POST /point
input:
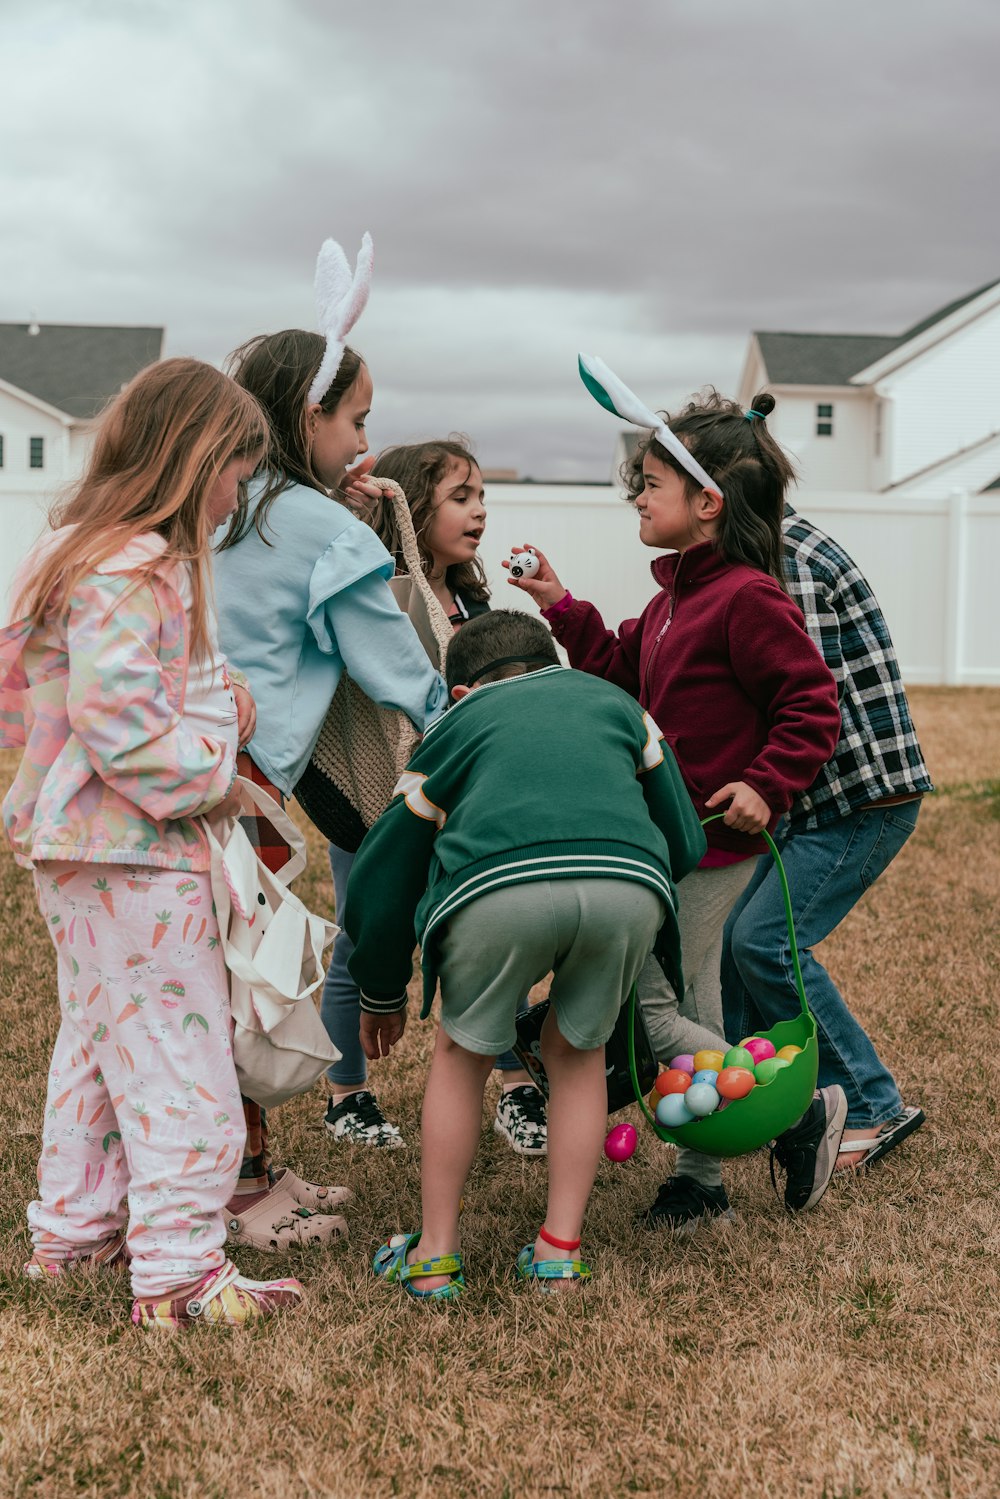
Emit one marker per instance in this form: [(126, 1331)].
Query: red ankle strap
[(548, 1238)]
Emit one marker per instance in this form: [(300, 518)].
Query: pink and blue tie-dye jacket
[(94, 698)]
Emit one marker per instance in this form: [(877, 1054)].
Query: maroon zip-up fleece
[(721, 659)]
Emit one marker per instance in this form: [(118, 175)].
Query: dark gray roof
[(832, 358), (820, 358), (76, 369), (943, 312), (995, 485)]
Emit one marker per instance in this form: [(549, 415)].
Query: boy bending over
[(540, 826)]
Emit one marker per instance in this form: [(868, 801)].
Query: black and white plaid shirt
[(877, 754)]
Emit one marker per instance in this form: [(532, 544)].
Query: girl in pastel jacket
[(108, 675)]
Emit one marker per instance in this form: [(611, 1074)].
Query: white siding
[(840, 462), (27, 493), (946, 399), (19, 422), (754, 376)]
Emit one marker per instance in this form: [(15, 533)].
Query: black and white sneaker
[(681, 1204), (807, 1153), (521, 1120), (358, 1120)]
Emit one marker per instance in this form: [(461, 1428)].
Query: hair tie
[(614, 395), (340, 301), (751, 414)]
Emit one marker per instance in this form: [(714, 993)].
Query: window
[(824, 420), (36, 452)]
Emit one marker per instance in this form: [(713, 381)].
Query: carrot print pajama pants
[(143, 1105)]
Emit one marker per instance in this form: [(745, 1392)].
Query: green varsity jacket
[(550, 775)]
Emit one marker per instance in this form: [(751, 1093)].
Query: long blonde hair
[(160, 447)]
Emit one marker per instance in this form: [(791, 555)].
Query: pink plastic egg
[(684, 1062), (759, 1048), (621, 1142)]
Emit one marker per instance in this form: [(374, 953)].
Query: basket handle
[(786, 897), (800, 986), (439, 621)]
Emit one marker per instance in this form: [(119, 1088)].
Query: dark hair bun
[(763, 404)]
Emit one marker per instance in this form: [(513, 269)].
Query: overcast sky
[(648, 180)]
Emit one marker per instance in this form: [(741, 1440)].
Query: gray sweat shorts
[(593, 934)]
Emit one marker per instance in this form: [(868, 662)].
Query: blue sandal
[(541, 1271), (390, 1265)]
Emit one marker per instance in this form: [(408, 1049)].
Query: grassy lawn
[(853, 1352)]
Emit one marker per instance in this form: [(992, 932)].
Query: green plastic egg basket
[(769, 1108)]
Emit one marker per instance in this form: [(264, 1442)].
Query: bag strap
[(440, 623), (279, 819)]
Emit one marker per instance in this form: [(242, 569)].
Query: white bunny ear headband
[(615, 396), (340, 301)]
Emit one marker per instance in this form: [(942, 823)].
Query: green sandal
[(542, 1271), (390, 1265)]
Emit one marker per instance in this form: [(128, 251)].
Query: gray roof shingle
[(832, 358), (74, 368), (820, 358)]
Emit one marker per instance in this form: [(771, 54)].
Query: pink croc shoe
[(111, 1255), (222, 1298)]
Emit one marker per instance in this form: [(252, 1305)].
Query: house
[(917, 411), (54, 377)]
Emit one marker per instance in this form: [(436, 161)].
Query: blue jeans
[(828, 870), (340, 1007)]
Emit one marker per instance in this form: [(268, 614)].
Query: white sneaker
[(521, 1120), (358, 1120)]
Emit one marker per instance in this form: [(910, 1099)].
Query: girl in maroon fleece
[(721, 659)]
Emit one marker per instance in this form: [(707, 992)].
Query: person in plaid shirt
[(837, 839)]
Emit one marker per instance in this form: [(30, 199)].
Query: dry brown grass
[(850, 1353)]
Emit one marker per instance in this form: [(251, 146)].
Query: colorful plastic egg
[(702, 1099), (759, 1048), (683, 1063), (767, 1070), (738, 1056), (706, 1075), (672, 1081), (789, 1053), (672, 1111), (653, 1100), (621, 1142), (735, 1082), (705, 1061)]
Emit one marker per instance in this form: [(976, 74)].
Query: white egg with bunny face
[(524, 564)]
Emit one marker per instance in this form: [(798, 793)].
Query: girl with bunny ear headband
[(721, 659), (303, 595)]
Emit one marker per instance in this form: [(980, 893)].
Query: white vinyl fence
[(932, 563)]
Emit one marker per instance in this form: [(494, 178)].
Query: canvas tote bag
[(363, 749), (273, 948)]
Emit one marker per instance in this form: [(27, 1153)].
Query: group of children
[(549, 822)]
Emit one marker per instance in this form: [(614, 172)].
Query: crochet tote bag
[(363, 749), (273, 947)]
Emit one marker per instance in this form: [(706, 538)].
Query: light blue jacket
[(295, 613)]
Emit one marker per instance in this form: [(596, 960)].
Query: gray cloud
[(650, 180)]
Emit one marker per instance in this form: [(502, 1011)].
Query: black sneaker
[(682, 1203), (521, 1120), (807, 1153), (358, 1120)]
